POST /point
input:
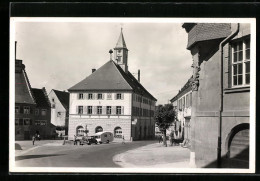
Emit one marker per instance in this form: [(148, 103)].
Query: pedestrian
[(75, 140), (123, 140), (33, 139), (160, 138)]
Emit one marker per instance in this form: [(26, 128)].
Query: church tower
[(121, 52)]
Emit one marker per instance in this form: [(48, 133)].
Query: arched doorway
[(118, 132), (238, 147), (80, 131), (98, 129)]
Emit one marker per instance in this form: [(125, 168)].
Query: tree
[(164, 117)]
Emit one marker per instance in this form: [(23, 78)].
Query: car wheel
[(107, 141), (100, 142)]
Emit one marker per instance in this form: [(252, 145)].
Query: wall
[(107, 122), (21, 129), (55, 119), (207, 100)]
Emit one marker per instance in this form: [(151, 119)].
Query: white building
[(111, 99), (59, 109), (182, 103)]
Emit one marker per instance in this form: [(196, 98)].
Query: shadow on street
[(24, 157)]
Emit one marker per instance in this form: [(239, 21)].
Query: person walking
[(75, 140), (123, 140), (33, 139)]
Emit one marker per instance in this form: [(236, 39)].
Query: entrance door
[(239, 150)]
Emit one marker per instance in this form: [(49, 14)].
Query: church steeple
[(121, 52)]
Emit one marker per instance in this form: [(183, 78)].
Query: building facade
[(42, 114), (32, 107), (111, 99), (220, 94), (182, 104), (24, 103), (60, 110)]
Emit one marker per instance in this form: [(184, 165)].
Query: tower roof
[(121, 41)]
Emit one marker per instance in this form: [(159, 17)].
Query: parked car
[(104, 137), (91, 140)]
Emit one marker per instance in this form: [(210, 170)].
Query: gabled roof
[(186, 88), (64, 98), (121, 41), (23, 92), (111, 77), (40, 98)]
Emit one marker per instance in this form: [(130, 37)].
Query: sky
[(57, 55)]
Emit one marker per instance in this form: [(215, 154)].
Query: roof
[(186, 88), (40, 98), (64, 98), (121, 41), (22, 87), (111, 77), (206, 31)]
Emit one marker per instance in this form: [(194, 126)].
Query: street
[(57, 155)]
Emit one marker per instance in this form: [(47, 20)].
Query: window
[(26, 110), (80, 131), (36, 112), (241, 63), (109, 96), (17, 109), (89, 109), (40, 122), (100, 96), (16, 121), (81, 96), (43, 122), (58, 114), (99, 109), (20, 121), (118, 96), (90, 96), (80, 109), (26, 121), (108, 109), (118, 110), (44, 111)]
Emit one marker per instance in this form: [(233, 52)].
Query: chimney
[(138, 75), (93, 70)]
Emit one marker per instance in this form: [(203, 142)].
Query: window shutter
[(113, 111), (230, 66), (115, 96), (85, 109), (77, 109), (94, 109), (122, 110), (103, 96), (104, 110), (122, 96), (93, 96)]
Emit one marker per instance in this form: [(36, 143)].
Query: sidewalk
[(154, 156), (21, 147)]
